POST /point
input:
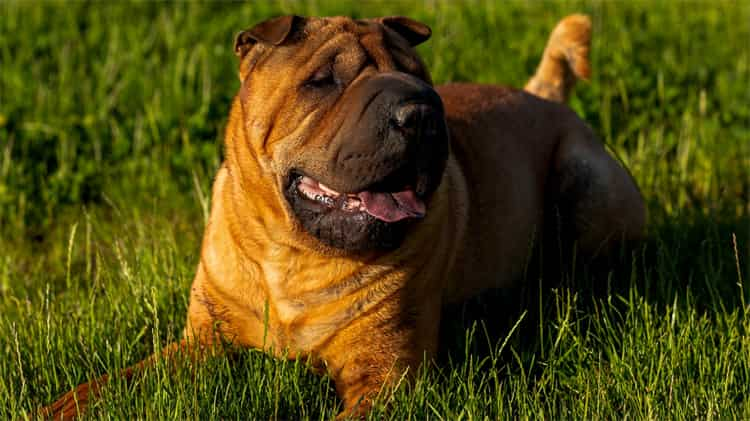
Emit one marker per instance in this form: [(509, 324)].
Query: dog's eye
[(322, 77)]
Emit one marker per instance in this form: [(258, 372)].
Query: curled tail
[(565, 59)]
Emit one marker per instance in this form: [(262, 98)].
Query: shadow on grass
[(686, 260)]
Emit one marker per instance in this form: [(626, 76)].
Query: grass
[(111, 120)]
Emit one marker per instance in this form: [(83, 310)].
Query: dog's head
[(340, 115)]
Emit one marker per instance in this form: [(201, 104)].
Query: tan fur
[(565, 59), (370, 318)]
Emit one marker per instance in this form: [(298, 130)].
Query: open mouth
[(376, 216), (385, 205)]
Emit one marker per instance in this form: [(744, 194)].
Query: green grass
[(111, 120)]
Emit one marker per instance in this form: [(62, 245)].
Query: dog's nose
[(414, 118)]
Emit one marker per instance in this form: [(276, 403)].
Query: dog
[(356, 199)]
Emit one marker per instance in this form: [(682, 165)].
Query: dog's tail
[(565, 59)]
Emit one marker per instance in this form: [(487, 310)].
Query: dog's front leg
[(382, 348)]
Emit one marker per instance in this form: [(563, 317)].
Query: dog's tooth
[(351, 204), (326, 200)]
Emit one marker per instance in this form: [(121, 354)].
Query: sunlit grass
[(111, 119)]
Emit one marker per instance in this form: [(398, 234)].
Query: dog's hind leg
[(594, 203), (74, 403)]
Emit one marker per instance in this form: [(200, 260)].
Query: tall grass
[(111, 119)]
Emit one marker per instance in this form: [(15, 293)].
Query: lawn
[(111, 120)]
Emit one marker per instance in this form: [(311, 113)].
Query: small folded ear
[(414, 32), (272, 31)]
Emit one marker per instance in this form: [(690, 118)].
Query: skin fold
[(333, 99)]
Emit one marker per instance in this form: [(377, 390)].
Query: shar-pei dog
[(356, 199)]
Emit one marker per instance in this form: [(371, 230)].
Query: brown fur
[(372, 317), (565, 60)]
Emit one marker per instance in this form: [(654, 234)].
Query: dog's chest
[(309, 305)]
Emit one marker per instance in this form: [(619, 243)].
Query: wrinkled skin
[(449, 188), (345, 90)]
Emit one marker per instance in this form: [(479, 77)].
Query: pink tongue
[(392, 207)]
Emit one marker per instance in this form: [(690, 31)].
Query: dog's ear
[(272, 31), (412, 31)]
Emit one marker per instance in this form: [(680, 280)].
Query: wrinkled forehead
[(323, 36), (329, 27)]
